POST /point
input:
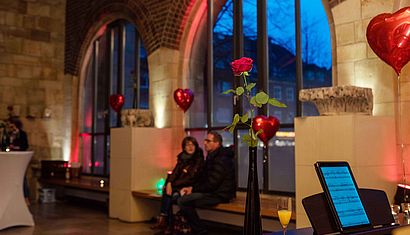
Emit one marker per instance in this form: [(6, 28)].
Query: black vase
[(252, 223)]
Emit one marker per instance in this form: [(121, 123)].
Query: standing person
[(18, 137), (216, 184), (189, 165), (4, 137)]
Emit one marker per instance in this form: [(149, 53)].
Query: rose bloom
[(241, 65)]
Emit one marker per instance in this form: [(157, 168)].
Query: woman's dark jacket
[(20, 142), (186, 172), (218, 177)]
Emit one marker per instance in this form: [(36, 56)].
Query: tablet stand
[(320, 216)]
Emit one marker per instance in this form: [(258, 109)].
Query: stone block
[(24, 71), (352, 52), (372, 8), (31, 48), (345, 73), (345, 33), (29, 22), (377, 75), (359, 31), (13, 45), (47, 49), (353, 7), (14, 19), (38, 9)]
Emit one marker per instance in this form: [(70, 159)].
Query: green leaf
[(259, 132), (232, 128), (229, 91), (250, 86), (239, 90), (262, 98), (275, 102), (235, 119), (246, 139), (244, 118), (254, 103)]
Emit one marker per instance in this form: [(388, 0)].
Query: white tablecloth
[(13, 208)]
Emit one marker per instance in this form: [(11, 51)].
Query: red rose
[(241, 65)]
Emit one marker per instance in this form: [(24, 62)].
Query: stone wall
[(31, 71), (358, 65)]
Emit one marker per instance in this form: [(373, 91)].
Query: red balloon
[(269, 125), (184, 98), (116, 102), (388, 36)]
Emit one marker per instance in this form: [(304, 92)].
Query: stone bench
[(236, 206)]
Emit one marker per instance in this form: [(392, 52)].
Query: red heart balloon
[(269, 125), (184, 98), (116, 102), (388, 36)]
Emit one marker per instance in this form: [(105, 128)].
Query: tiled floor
[(79, 219)]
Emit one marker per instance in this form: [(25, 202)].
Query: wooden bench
[(84, 187), (237, 206)]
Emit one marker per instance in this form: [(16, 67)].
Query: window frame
[(107, 72)]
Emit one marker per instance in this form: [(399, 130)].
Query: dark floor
[(84, 218)]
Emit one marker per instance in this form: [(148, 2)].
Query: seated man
[(215, 185)]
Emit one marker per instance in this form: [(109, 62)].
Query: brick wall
[(160, 23)]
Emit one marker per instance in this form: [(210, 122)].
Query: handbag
[(181, 225)]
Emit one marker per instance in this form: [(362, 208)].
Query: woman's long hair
[(190, 139)]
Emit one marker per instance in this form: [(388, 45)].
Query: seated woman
[(189, 165)]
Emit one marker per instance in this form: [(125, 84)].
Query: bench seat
[(237, 206)]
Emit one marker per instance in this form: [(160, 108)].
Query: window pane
[(281, 39), (114, 73), (223, 78), (101, 85), (88, 99), (144, 79), (129, 66), (86, 152), (99, 154), (243, 163), (316, 49), (282, 161)]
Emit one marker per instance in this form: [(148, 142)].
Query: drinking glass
[(395, 210), (284, 207)]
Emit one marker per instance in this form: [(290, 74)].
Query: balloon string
[(400, 134)]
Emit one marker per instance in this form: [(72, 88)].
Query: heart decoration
[(116, 102), (184, 98), (269, 126), (389, 37)]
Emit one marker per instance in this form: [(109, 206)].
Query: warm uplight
[(404, 186), (159, 111)]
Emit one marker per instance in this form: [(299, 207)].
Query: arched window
[(118, 65), (236, 33)]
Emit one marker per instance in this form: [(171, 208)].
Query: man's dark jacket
[(218, 176)]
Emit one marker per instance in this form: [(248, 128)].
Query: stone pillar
[(368, 143), (139, 158)]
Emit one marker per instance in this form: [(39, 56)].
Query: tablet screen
[(340, 187)]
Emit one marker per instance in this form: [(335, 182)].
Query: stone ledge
[(339, 100)]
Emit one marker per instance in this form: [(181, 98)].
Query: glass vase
[(253, 222)]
